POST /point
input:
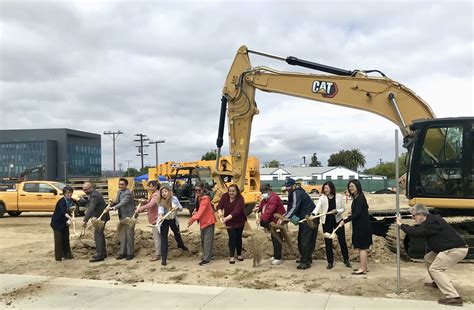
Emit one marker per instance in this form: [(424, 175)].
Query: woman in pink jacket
[(204, 214), (151, 207)]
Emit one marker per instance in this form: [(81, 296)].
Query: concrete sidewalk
[(39, 292)]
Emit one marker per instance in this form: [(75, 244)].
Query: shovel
[(97, 223), (333, 234), (317, 216), (74, 221), (131, 221)]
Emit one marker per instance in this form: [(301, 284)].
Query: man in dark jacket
[(446, 246), (96, 207), (300, 205)]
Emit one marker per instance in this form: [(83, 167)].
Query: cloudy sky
[(157, 67)]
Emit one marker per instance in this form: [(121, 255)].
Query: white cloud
[(158, 68)]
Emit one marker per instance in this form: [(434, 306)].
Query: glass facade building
[(63, 152)]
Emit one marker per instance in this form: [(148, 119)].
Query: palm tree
[(351, 159), (355, 159)]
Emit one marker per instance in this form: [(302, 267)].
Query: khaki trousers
[(437, 264)]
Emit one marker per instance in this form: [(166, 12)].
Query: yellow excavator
[(440, 150)]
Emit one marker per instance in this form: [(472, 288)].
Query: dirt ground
[(26, 247)]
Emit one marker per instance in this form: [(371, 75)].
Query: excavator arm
[(353, 89)]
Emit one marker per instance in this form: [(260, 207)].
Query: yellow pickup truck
[(310, 187), (35, 196)]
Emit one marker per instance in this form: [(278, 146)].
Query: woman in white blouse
[(333, 203)]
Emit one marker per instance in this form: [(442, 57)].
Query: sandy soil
[(27, 248)]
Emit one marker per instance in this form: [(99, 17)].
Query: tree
[(211, 155), (351, 159), (314, 161), (388, 168), (272, 164), (131, 172)]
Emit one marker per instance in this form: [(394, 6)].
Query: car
[(384, 191)]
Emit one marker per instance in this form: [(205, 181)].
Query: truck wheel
[(14, 213), (2, 209), (314, 192)]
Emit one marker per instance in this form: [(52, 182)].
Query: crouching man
[(446, 246)]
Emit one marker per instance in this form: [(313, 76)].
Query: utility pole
[(114, 135), (128, 163), (120, 167), (156, 151), (380, 161), (304, 161), (141, 146)]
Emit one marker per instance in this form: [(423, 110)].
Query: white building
[(307, 173)]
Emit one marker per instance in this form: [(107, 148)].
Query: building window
[(274, 178), (340, 177), (328, 177), (351, 177)]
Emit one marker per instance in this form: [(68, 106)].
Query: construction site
[(398, 184)]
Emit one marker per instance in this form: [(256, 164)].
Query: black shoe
[(456, 301), (204, 263), (184, 248), (163, 263), (130, 257), (347, 263), (121, 256), (303, 266), (95, 259), (330, 266), (297, 261)]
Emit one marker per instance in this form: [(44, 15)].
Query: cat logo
[(326, 89)]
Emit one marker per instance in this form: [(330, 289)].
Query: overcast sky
[(158, 67)]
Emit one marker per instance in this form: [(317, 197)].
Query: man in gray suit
[(126, 208), (95, 209)]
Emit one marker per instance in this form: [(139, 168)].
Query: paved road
[(39, 292)]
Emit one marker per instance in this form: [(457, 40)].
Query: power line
[(114, 137), (156, 151), (141, 146)]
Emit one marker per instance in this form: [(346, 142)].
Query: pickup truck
[(35, 196), (309, 187)]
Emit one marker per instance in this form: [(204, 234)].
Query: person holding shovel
[(60, 224), (299, 206), (151, 206), (95, 208), (126, 208), (270, 205), (332, 205), (168, 207), (446, 248), (231, 211), (204, 214), (361, 232)]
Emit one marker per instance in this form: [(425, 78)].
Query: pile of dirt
[(85, 247)]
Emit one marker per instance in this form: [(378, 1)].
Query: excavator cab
[(441, 162), (184, 181)]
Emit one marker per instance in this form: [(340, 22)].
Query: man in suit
[(95, 209), (126, 208)]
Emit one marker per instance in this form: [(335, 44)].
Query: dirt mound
[(85, 247)]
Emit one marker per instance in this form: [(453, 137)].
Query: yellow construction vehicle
[(440, 150), (184, 175)]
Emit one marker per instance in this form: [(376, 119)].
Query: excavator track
[(413, 249)]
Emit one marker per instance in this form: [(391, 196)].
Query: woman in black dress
[(361, 232)]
